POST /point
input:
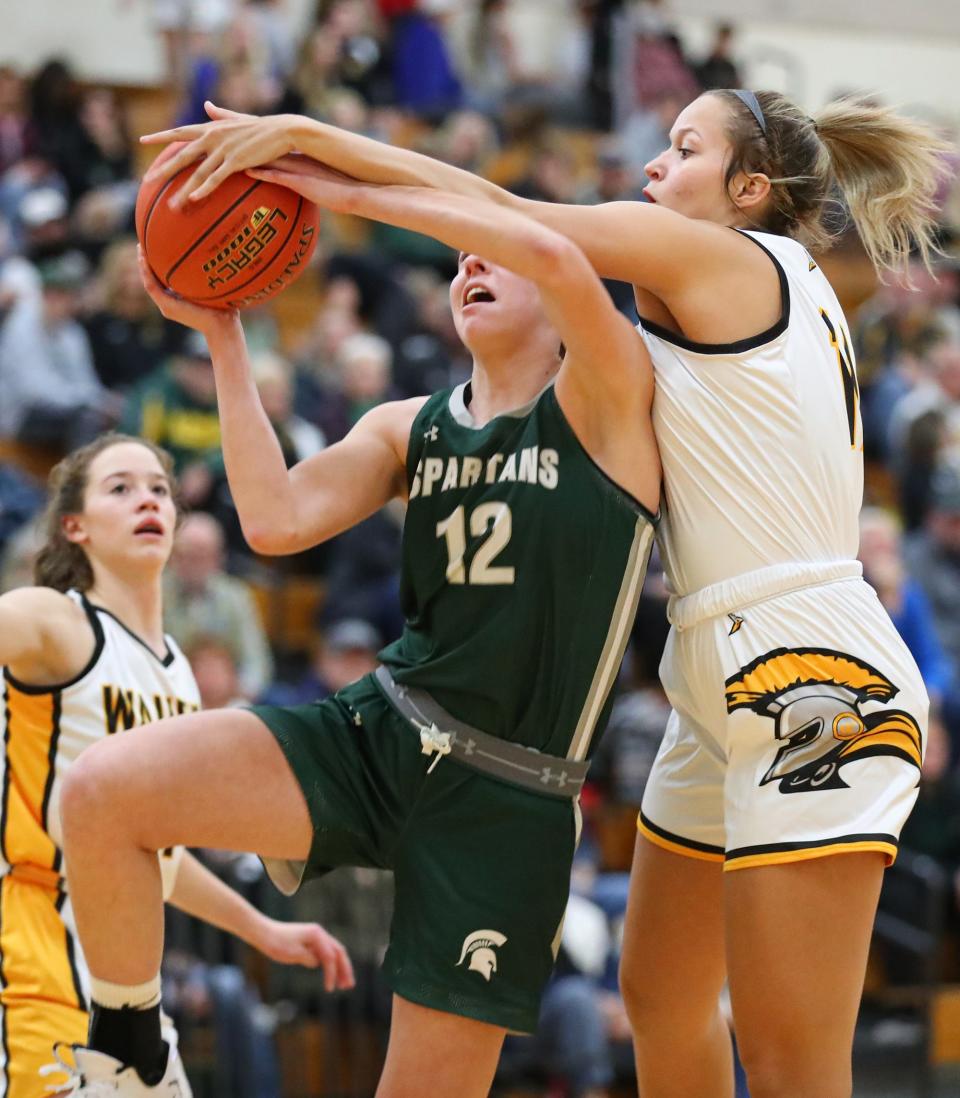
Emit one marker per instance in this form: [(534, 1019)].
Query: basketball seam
[(210, 228), (153, 205), (149, 213), (263, 270)]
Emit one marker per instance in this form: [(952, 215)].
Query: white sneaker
[(168, 1031), (95, 1075)]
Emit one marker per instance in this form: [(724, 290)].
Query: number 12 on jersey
[(493, 524)]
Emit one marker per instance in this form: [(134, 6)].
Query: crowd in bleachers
[(83, 350)]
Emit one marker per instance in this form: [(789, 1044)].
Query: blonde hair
[(885, 166)]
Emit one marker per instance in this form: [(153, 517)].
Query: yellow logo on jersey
[(814, 696)]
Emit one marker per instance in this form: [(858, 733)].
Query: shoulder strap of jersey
[(99, 640)]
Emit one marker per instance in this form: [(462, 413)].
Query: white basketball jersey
[(760, 440), (124, 685)]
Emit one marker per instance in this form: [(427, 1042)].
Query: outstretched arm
[(284, 510), (606, 381), (233, 142), (575, 299), (201, 893), (636, 242)]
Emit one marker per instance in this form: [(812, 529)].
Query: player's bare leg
[(457, 1055), (797, 942), (215, 779), (672, 973), (219, 779)]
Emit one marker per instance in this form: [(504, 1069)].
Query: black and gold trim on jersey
[(41, 998), (52, 773), (4, 1035), (814, 697), (739, 346), (32, 732), (165, 660), (52, 688)]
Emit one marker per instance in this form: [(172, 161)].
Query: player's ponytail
[(61, 563), (884, 166), (888, 167)]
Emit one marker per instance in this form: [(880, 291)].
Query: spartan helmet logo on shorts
[(479, 947), (814, 697)]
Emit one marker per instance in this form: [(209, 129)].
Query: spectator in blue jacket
[(910, 609)]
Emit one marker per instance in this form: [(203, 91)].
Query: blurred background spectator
[(59, 401), (343, 652), (217, 672), (175, 406), (202, 601), (128, 338), (718, 69)]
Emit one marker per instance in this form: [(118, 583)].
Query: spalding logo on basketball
[(235, 248)]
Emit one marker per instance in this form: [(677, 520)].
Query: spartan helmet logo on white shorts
[(814, 696), (479, 947)]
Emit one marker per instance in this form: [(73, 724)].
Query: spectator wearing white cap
[(18, 276), (38, 225), (51, 393)]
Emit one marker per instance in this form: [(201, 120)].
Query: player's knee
[(783, 1070), (641, 1001), (92, 790)]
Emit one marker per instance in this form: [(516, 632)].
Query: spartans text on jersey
[(532, 465)]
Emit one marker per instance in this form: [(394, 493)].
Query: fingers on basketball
[(235, 247)]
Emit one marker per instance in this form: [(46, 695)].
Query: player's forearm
[(471, 225), (612, 236), (376, 162), (256, 469), (202, 894)]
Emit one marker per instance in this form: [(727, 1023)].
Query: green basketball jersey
[(522, 567)]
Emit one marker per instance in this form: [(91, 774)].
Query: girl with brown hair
[(84, 656), (785, 775)]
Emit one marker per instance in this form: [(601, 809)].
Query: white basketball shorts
[(798, 724)]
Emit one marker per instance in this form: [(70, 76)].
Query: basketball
[(236, 247)]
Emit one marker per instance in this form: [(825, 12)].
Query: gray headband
[(748, 99)]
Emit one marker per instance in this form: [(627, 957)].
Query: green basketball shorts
[(482, 868)]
